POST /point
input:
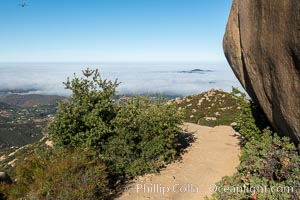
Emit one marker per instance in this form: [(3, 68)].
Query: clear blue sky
[(112, 30)]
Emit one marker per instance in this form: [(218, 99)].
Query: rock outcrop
[(5, 178), (262, 45)]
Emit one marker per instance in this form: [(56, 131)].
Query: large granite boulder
[(262, 45)]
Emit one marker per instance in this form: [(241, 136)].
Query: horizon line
[(154, 62)]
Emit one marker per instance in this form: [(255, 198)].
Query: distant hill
[(30, 100), (6, 91), (23, 117), (199, 71), (210, 108), (20, 134)]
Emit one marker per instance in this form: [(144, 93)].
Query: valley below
[(23, 118)]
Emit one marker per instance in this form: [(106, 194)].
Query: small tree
[(84, 121)]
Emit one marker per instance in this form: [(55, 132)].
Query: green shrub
[(84, 121), (270, 162), (61, 174), (146, 135), (252, 120)]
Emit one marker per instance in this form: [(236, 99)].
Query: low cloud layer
[(135, 78)]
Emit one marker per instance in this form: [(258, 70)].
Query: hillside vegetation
[(30, 100), (211, 108), (20, 126)]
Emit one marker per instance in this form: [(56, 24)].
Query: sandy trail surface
[(214, 154)]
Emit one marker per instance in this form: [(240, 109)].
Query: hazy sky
[(112, 30)]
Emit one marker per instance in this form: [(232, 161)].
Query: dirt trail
[(214, 154)]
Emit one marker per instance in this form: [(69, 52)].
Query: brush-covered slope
[(211, 108)]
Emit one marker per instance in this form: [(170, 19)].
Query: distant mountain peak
[(200, 71)]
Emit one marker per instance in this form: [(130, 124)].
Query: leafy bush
[(146, 134), (252, 119), (84, 121), (61, 174), (270, 162)]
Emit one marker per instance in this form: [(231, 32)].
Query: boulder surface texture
[(262, 46)]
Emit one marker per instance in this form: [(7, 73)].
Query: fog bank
[(136, 78)]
